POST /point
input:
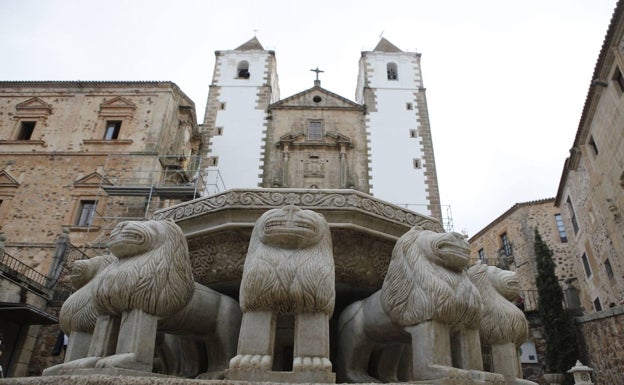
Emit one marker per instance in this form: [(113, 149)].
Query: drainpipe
[(62, 242)]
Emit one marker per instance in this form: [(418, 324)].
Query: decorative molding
[(107, 141), (33, 142), (305, 198), (219, 258)]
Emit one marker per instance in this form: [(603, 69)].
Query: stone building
[(591, 199), (588, 206), (353, 145), (507, 242), (590, 194), (316, 139), (390, 85), (244, 83), (76, 157)]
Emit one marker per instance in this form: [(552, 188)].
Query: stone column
[(285, 158), (343, 166)]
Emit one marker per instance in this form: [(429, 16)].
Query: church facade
[(318, 139)]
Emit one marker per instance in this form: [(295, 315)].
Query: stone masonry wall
[(602, 336), (519, 224)]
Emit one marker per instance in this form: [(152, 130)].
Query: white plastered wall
[(392, 150), (239, 148)]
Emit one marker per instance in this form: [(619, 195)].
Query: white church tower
[(244, 83), (402, 164)]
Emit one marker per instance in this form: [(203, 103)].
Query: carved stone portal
[(289, 270)]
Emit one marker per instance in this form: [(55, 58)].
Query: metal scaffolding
[(132, 187)]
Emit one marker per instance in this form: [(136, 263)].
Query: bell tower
[(244, 83), (402, 164)]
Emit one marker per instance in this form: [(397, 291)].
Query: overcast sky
[(506, 80)]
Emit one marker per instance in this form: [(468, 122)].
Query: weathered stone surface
[(503, 327), (426, 296), (603, 346), (116, 379), (289, 270), (148, 286), (363, 228)]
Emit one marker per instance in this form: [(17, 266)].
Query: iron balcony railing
[(14, 267)]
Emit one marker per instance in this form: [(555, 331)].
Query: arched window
[(393, 73), (243, 69)]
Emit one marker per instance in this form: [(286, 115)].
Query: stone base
[(281, 377), (147, 379), (105, 371)]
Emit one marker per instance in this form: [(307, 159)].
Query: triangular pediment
[(118, 102), (92, 180), (7, 180), (251, 45), (385, 46), (34, 105), (316, 97)]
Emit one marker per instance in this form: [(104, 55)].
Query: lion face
[(291, 228), (447, 249), (84, 270), (134, 237), (505, 282)]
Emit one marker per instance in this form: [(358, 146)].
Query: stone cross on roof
[(317, 82)]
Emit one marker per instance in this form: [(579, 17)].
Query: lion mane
[(153, 271), (424, 284), (501, 321), (289, 274), (78, 312)]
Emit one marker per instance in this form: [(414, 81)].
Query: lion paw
[(81, 363), (125, 361), (312, 364), (251, 361)]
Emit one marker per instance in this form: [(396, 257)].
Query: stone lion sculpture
[(78, 315), (503, 326), (289, 269), (426, 301), (149, 287)]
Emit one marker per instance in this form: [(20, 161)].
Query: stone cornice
[(342, 209)]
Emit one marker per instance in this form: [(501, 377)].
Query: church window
[(222, 106), (26, 130), (409, 106), (112, 129), (242, 70), (592, 144), (315, 130), (317, 99), (218, 131), (85, 213), (417, 163), (213, 161), (413, 133), (391, 69)]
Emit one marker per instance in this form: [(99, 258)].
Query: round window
[(317, 99)]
